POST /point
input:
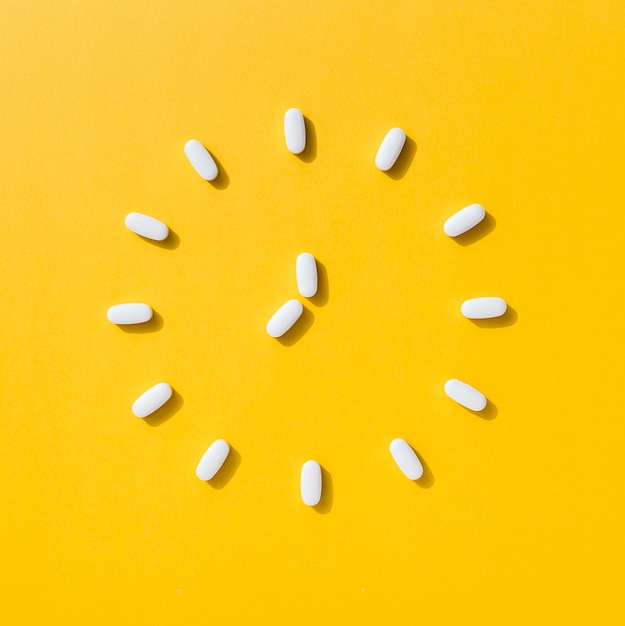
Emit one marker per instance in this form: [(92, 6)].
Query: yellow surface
[(515, 105)]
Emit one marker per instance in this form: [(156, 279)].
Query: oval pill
[(306, 274), (294, 131), (131, 313), (464, 220), (146, 226), (284, 318), (390, 148), (406, 459), (310, 483), (212, 459), (465, 395), (483, 308), (152, 399), (201, 159)]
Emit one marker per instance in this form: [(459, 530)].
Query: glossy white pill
[(146, 226), (390, 148), (294, 131), (213, 459), (284, 318), (306, 274), (464, 220), (203, 163), (152, 399), (406, 459), (131, 313), (310, 483), (464, 394), (483, 308)]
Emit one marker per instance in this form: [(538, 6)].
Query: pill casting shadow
[(486, 226), (323, 287), (299, 329), (170, 243), (170, 408), (509, 318), (327, 493), (489, 412), (223, 180), (404, 161), (427, 478), (153, 325), (309, 153), (226, 471)]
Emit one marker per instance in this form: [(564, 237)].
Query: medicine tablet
[(131, 313), (465, 395), (146, 226), (213, 459), (306, 274), (152, 399), (200, 158), (483, 308), (310, 483), (294, 131), (406, 459), (390, 148), (464, 220), (284, 318)]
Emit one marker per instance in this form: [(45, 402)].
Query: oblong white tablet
[(131, 313), (152, 399), (483, 308), (464, 220), (284, 318), (294, 131), (201, 159), (390, 148), (464, 394), (406, 459), (146, 226), (306, 274), (212, 459), (310, 483)]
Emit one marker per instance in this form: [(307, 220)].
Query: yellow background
[(518, 106)]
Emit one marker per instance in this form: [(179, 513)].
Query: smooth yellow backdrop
[(516, 105)]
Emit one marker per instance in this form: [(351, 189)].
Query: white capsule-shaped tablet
[(294, 131), (284, 318), (464, 394), (212, 459), (406, 459), (201, 159), (146, 226), (306, 274), (464, 220), (390, 149), (130, 313), (483, 308), (310, 483), (152, 399)]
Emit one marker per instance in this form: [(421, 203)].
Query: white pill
[(131, 313), (213, 459), (465, 395), (483, 308), (406, 459), (146, 226), (310, 483), (306, 274), (200, 158), (284, 318), (464, 220), (390, 148), (152, 399), (294, 131)]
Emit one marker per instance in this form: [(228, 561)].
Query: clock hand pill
[(465, 395), (390, 148), (406, 459), (152, 399), (483, 308), (130, 313), (464, 220), (146, 226), (294, 131), (284, 318), (212, 459), (306, 274), (201, 160), (310, 483)]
